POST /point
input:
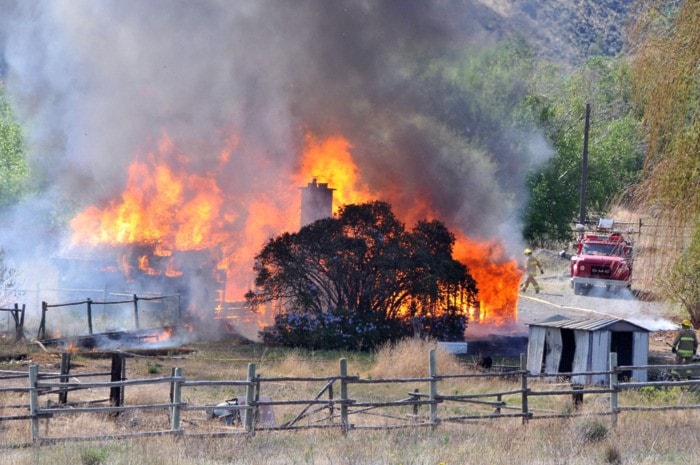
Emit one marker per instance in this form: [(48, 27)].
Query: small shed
[(563, 345)]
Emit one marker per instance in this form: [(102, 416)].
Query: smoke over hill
[(235, 92)]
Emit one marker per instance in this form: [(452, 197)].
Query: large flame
[(170, 208), (330, 159), (497, 276), (162, 204)]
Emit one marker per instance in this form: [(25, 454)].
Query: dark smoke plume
[(94, 82)]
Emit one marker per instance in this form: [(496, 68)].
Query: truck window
[(600, 249)]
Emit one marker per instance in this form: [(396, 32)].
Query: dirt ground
[(558, 298)]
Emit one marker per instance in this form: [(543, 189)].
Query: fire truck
[(603, 258)]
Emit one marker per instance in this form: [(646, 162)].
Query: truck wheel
[(578, 288)]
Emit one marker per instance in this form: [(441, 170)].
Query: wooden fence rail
[(345, 413), (17, 314), (89, 303)]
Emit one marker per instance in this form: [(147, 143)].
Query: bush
[(447, 327), (591, 430), (340, 330), (93, 456)]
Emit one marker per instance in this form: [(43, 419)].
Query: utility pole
[(584, 168)]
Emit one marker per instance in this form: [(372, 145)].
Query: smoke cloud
[(96, 82)]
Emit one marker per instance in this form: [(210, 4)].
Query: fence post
[(89, 315), (524, 388), (136, 311), (18, 316), (344, 424), (613, 388), (65, 369), (330, 404), (176, 388), (250, 399), (415, 406), (34, 401), (42, 325), (432, 372), (179, 309), (116, 393)]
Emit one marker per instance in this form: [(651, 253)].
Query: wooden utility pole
[(584, 168)]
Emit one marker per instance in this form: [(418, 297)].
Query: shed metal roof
[(595, 324)]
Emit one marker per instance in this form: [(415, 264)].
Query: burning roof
[(200, 140)]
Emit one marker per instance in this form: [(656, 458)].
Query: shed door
[(535, 349), (600, 355), (582, 356), (640, 355), (553, 351), (621, 343)]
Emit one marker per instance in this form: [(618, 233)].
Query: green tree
[(615, 151), (8, 279), (495, 98), (666, 86), (682, 282), (363, 275), (13, 164)]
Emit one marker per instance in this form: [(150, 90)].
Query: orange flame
[(497, 278), (169, 208), (159, 206), (330, 159)]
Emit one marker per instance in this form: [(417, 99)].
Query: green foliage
[(506, 89), (682, 283), (8, 279), (94, 455), (13, 165), (614, 150), (666, 86), (360, 279), (153, 368)]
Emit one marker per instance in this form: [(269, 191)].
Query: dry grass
[(637, 440), (409, 359), (640, 438)]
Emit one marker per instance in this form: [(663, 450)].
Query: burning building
[(180, 173)]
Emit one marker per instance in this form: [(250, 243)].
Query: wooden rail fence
[(254, 412), (17, 314), (89, 304)]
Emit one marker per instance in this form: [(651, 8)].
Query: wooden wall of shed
[(600, 355), (582, 356), (640, 355), (535, 349)]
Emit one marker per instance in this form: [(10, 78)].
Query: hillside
[(563, 31)]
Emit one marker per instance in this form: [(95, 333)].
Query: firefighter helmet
[(527, 252), (686, 323)]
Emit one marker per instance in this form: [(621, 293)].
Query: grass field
[(639, 437)]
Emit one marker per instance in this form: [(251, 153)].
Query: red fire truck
[(603, 258)]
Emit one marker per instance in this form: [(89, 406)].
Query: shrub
[(591, 430), (93, 456), (341, 330)]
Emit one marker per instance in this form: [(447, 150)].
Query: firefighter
[(685, 344), (530, 267)]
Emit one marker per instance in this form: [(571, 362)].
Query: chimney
[(316, 202)]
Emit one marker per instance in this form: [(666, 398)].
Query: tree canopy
[(666, 86), (615, 152), (364, 269), (13, 164)]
